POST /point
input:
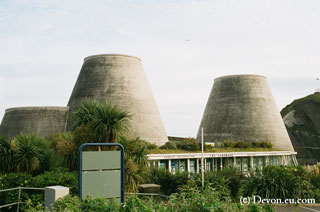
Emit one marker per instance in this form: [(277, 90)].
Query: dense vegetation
[(221, 192), (313, 98), (33, 161)]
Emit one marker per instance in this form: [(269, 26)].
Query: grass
[(314, 98), (172, 151)]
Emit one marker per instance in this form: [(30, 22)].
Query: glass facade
[(164, 164), (193, 165), (243, 164), (227, 162), (174, 166), (258, 163), (274, 161), (209, 165)]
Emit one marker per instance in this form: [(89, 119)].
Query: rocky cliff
[(302, 119)]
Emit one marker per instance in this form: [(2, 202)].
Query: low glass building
[(243, 161)]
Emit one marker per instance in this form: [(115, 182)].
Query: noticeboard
[(101, 173)]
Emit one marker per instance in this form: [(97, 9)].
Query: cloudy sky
[(183, 45)]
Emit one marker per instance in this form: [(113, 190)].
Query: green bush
[(279, 182), (6, 155), (135, 162), (169, 145), (13, 180), (235, 181), (57, 177), (243, 144), (263, 144), (188, 144), (26, 153), (169, 182), (228, 182), (195, 200), (66, 149), (228, 144)]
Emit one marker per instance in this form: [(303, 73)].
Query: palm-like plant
[(6, 155), (135, 162), (105, 121), (31, 153)]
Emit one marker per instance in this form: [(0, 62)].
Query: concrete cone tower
[(241, 108), (42, 121), (121, 80)]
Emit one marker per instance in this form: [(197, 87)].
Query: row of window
[(241, 163)]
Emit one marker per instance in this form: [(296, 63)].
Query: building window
[(182, 165), (193, 166), (274, 160), (258, 163), (163, 164), (209, 164), (227, 162), (242, 164)]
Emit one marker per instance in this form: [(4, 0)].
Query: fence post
[(19, 196)]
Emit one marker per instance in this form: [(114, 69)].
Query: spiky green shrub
[(6, 155), (169, 182), (194, 200), (31, 154), (103, 121), (135, 162), (188, 144), (279, 182)]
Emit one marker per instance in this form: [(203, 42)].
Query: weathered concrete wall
[(241, 108), (121, 80), (42, 121)]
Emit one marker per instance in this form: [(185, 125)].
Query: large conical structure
[(241, 108), (121, 80), (42, 121)]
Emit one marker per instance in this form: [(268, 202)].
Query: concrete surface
[(297, 208), (42, 121), (53, 193), (242, 108), (121, 80)]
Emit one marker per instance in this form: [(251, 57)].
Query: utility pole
[(202, 158)]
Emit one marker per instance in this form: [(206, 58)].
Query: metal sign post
[(101, 173)]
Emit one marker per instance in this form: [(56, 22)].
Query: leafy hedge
[(188, 144), (282, 182), (193, 200), (51, 178), (243, 144), (169, 182)]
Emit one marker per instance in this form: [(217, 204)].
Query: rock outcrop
[(302, 119)]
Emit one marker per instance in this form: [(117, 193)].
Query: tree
[(135, 162), (65, 147), (31, 153), (103, 122)]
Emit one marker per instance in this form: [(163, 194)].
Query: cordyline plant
[(102, 122)]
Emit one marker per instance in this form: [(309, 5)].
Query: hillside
[(302, 119)]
